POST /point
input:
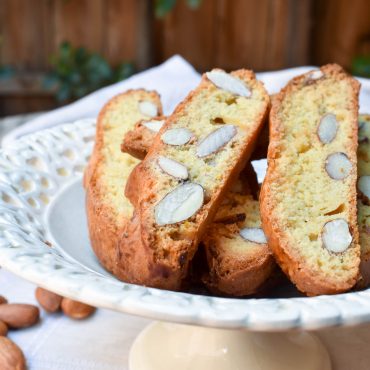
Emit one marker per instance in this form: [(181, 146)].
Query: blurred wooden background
[(258, 34)]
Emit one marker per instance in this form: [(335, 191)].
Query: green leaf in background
[(77, 72), (361, 66), (194, 4), (162, 7), (6, 71), (123, 71)]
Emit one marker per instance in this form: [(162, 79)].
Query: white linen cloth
[(102, 342)]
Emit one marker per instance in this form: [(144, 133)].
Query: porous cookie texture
[(308, 198), (138, 140), (108, 210), (211, 133), (238, 257)]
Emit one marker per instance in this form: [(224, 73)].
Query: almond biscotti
[(238, 261), (238, 257), (193, 161), (308, 198), (108, 210)]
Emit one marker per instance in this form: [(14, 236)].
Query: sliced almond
[(216, 140), (327, 129), (173, 168), (316, 74), (148, 108), (364, 188), (154, 126), (229, 83), (336, 236), (338, 166), (253, 234), (180, 204), (177, 136)]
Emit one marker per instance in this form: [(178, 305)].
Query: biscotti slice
[(238, 257), (105, 178), (308, 198), (138, 140), (193, 161)]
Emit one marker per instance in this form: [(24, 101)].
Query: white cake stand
[(42, 202)]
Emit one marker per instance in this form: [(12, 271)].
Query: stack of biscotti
[(187, 190), (194, 160), (238, 261), (308, 198)]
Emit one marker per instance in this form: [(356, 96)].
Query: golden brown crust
[(107, 234), (302, 276), (174, 253)]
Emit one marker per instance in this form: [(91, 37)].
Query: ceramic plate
[(42, 204)]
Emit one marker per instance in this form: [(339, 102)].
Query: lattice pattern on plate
[(36, 167)]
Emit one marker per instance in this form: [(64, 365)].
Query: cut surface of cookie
[(211, 134), (108, 210), (308, 198)]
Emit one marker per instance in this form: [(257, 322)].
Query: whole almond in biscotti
[(49, 301), (18, 316), (253, 234), (212, 133), (308, 198), (11, 356), (173, 168), (328, 128), (3, 300), (76, 310)]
